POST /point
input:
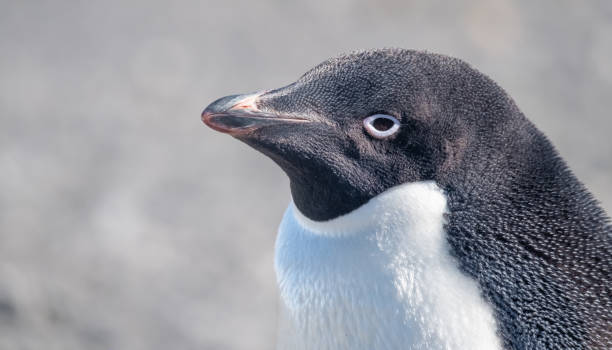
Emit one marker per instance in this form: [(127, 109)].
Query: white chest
[(380, 277)]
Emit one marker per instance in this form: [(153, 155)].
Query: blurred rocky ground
[(126, 224)]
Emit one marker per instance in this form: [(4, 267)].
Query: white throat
[(379, 277)]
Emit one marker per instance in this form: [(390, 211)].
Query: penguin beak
[(239, 114)]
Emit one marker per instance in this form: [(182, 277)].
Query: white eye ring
[(368, 124)]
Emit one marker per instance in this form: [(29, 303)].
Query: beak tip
[(221, 107), (207, 119), (205, 116)]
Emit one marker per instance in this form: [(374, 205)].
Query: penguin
[(427, 211)]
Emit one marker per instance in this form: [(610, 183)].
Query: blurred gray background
[(125, 223)]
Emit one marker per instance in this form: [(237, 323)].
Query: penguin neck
[(392, 206), (326, 199), (379, 277)]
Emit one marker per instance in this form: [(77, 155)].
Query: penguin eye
[(381, 126)]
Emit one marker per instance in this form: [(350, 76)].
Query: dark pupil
[(382, 124)]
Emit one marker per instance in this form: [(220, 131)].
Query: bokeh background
[(126, 224)]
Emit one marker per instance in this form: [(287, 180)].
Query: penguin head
[(359, 124)]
